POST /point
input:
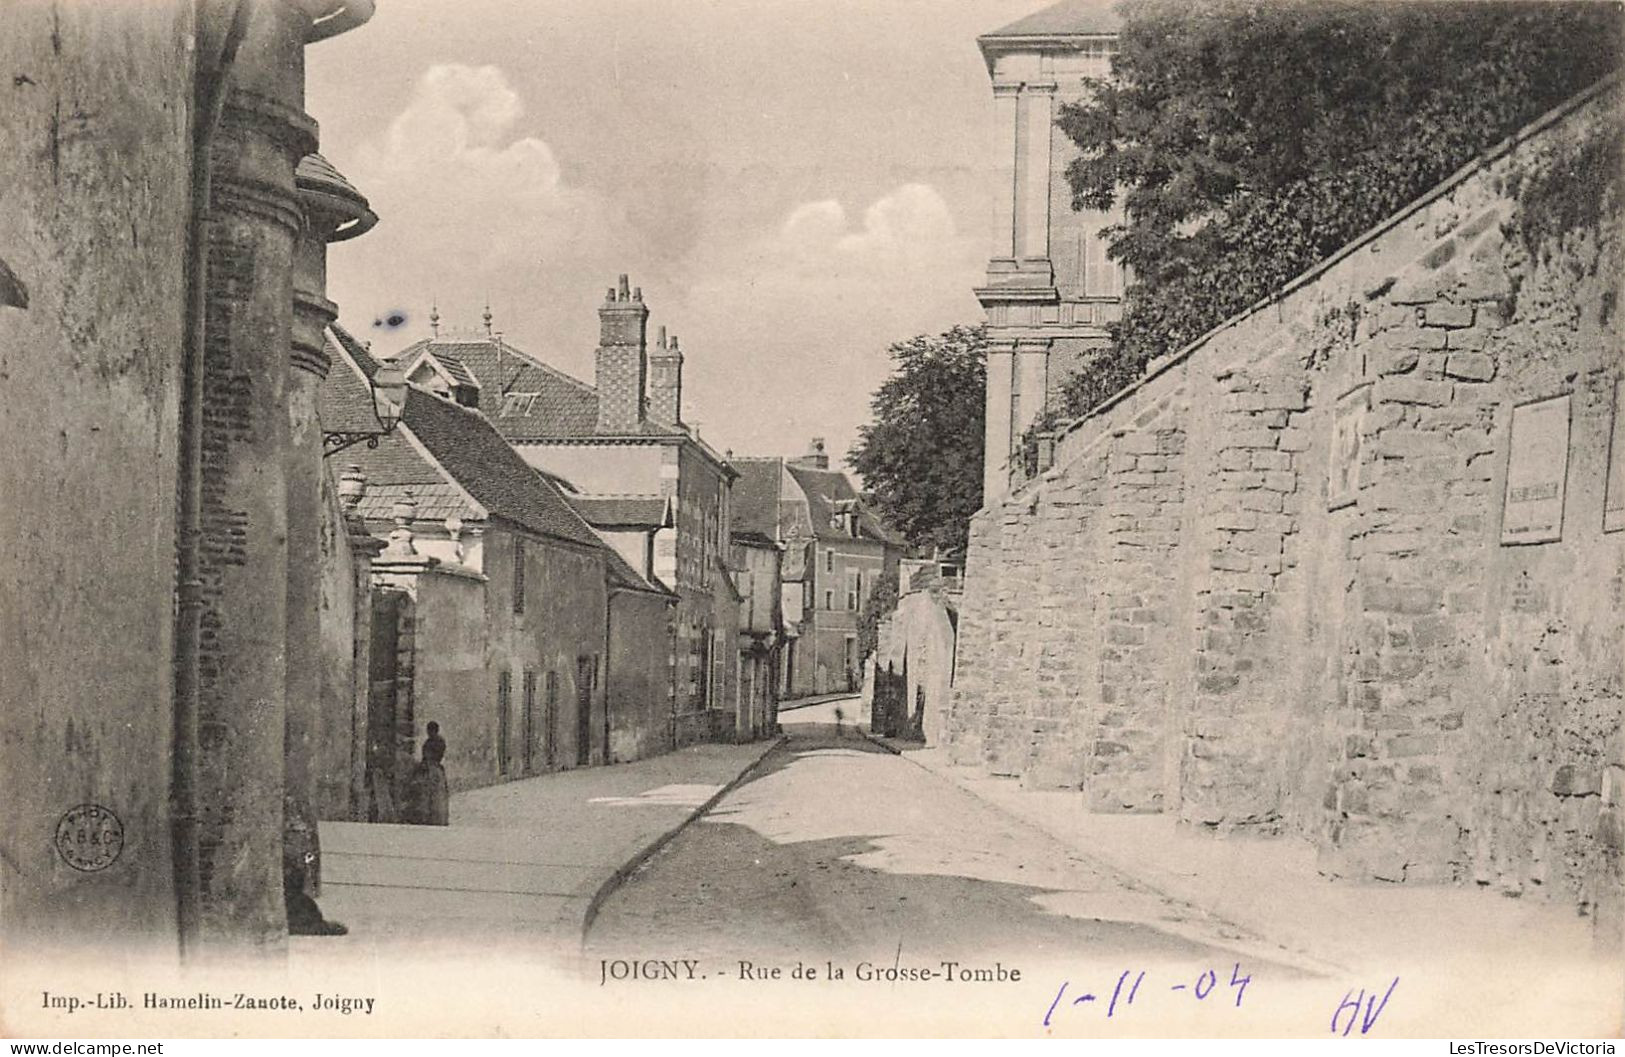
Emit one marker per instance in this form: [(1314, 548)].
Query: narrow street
[(836, 849)]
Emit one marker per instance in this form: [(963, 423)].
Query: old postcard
[(837, 518)]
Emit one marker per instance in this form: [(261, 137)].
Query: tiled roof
[(477, 457), (623, 575), (1069, 18), (755, 497), (449, 363), (435, 502), (344, 401), (525, 398), (627, 511), (826, 488)]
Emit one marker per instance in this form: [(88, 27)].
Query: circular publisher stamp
[(89, 838)]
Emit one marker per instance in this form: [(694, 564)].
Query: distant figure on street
[(840, 716), (428, 798)]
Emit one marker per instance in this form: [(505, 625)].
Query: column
[(309, 364), (333, 210), (1004, 169), (255, 219), (1037, 105), (1032, 363), (997, 418)]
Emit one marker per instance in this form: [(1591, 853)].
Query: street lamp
[(388, 385)]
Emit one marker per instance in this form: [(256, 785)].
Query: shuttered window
[(518, 576)]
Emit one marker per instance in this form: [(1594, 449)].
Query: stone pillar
[(1003, 251), (1038, 124), (1032, 361), (1001, 357), (364, 547), (332, 210), (309, 364), (256, 218)]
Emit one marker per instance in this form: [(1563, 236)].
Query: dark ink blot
[(394, 319)]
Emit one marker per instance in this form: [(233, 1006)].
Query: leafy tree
[(922, 456), (879, 605), (1250, 139)]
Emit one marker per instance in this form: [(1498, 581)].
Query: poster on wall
[(1348, 417), (1537, 468), (1613, 507)]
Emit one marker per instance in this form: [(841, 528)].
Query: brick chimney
[(666, 380), (622, 362), (816, 457)]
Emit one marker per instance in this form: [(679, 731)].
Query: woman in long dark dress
[(430, 803)]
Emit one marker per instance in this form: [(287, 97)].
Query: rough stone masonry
[(1284, 585)]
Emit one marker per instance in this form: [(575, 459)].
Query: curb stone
[(650, 850)]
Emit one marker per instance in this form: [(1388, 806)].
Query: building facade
[(1050, 290), (495, 608), (622, 449), (836, 552)]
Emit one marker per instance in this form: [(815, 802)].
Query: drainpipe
[(609, 606), (208, 102)]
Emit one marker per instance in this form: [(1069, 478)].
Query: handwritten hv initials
[(1351, 1005)]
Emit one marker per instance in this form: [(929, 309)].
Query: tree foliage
[(1250, 139), (881, 602), (921, 458)]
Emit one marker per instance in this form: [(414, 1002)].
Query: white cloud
[(814, 303), (908, 225), (471, 207)]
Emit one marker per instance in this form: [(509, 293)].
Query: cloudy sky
[(794, 183)]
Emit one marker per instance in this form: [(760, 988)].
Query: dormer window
[(519, 403)]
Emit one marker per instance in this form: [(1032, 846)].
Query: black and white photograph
[(812, 519)]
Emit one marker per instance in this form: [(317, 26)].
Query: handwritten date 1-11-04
[(1127, 989), (1348, 1014)]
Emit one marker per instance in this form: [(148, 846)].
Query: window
[(829, 561), (527, 723), (1102, 276), (518, 575), (829, 599), (504, 701), (853, 577), (550, 721)]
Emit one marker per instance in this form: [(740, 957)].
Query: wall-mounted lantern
[(388, 385)]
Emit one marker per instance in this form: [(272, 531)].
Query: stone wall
[(96, 168), (1279, 587), (638, 683), (338, 764)]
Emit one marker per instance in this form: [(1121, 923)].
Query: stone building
[(910, 677), (622, 447), (1050, 290), (836, 551), (757, 562), (1349, 567), (497, 611), (163, 271)]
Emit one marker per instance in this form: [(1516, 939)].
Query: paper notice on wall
[(1613, 509), (1537, 468)]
